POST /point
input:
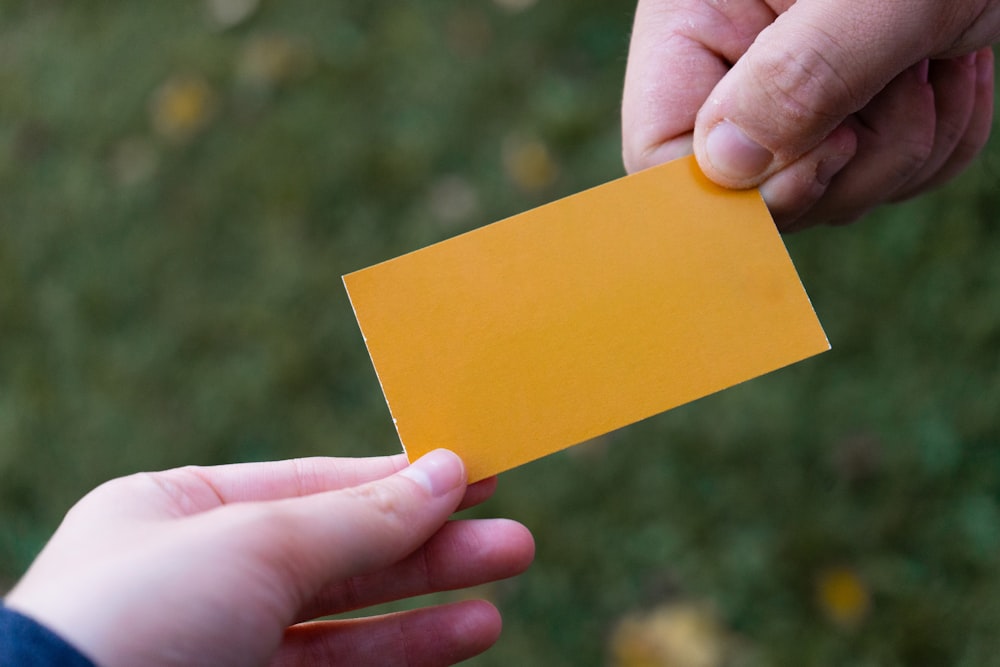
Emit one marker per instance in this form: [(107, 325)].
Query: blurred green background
[(182, 184)]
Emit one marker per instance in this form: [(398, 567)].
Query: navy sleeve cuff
[(26, 643)]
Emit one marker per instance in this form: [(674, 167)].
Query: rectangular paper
[(571, 320)]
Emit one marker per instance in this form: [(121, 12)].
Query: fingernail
[(438, 472), (984, 68), (734, 154), (969, 59), (923, 70), (830, 167)]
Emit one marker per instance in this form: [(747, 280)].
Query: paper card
[(568, 321)]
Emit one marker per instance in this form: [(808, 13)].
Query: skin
[(831, 107), (228, 565)]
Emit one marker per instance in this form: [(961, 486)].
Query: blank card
[(557, 325)]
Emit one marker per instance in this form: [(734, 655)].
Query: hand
[(832, 107), (222, 566)]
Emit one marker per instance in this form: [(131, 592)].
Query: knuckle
[(184, 488), (803, 83), (950, 132), (170, 487), (912, 155), (968, 24), (383, 499)]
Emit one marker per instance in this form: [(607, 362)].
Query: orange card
[(560, 324)]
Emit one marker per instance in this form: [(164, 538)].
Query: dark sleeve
[(26, 643)]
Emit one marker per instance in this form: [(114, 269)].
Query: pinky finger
[(977, 132), (429, 637)]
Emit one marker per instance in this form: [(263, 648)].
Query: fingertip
[(922, 71), (486, 611), (509, 543), (438, 472), (984, 67), (524, 547), (672, 149), (793, 193), (730, 157), (837, 151), (481, 620)]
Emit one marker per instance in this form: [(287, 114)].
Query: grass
[(180, 201)]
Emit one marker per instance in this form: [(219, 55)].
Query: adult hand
[(224, 565), (832, 107)]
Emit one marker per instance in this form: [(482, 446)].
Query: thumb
[(339, 534), (815, 65)]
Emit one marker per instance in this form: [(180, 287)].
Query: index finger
[(272, 480), (680, 50)]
